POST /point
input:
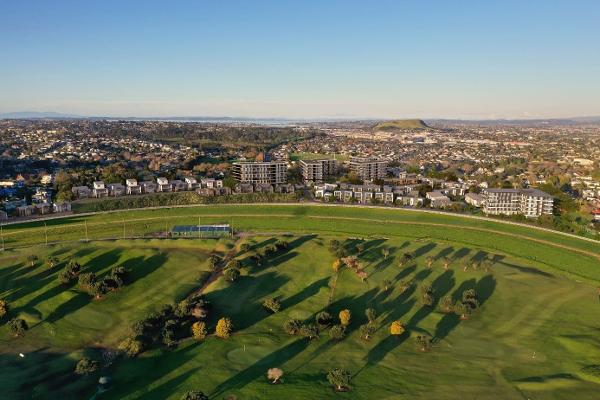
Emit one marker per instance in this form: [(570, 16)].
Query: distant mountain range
[(386, 125)]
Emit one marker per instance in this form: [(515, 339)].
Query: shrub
[(274, 374), (427, 295), (323, 319), (309, 331), (85, 366), (3, 308), (224, 328), (272, 305), (446, 304), (292, 326), (199, 330), (132, 347), (18, 326), (337, 332), (396, 328), (194, 395), (339, 378), (345, 317), (85, 281), (231, 274), (366, 331)]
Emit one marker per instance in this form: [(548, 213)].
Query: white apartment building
[(368, 169), (529, 202)]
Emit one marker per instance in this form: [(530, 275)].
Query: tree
[(231, 274), (334, 245), (199, 330), (234, 264), (462, 310), (429, 262), (194, 395), (85, 366), (360, 248), (470, 298), (18, 326), (385, 252), (309, 331), (323, 319), (386, 284), (98, 289), (292, 326), (132, 347), (404, 286), (396, 328), (339, 378), (366, 331), (3, 308), (245, 247), (85, 281), (337, 332), (446, 304), (272, 305), (281, 245), (406, 257), (371, 314), (337, 264), (32, 259), (362, 275), (427, 295), (423, 342), (51, 261), (224, 328), (345, 317), (214, 262), (446, 263), (274, 374)]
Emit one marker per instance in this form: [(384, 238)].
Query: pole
[(123, 228), (198, 226), (46, 232), (87, 239)]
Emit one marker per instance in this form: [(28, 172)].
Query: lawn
[(533, 336)]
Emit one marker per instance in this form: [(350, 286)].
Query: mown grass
[(532, 336)]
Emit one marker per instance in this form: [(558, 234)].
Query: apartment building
[(529, 202), (368, 169), (272, 172), (317, 170)]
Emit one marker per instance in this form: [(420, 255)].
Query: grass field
[(534, 336)]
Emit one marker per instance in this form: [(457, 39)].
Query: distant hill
[(37, 115), (401, 124)]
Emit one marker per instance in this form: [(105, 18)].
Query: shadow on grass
[(527, 270), (259, 368), (424, 249), (305, 293)]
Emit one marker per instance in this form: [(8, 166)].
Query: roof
[(201, 228)]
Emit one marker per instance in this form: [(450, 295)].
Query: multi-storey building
[(529, 202), (272, 172), (317, 170), (368, 169)]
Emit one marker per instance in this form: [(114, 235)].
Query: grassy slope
[(531, 337), (490, 235)]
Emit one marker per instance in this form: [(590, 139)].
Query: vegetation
[(400, 124), (339, 378), (224, 328), (85, 366)]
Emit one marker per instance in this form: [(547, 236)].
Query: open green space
[(534, 335)]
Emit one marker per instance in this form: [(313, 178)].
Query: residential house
[(133, 187)]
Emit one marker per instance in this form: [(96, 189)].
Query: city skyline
[(302, 60)]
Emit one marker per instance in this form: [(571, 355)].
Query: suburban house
[(115, 189), (133, 187), (162, 185), (191, 182), (474, 199), (99, 190), (438, 199), (61, 207), (81, 192), (178, 185), (148, 187)]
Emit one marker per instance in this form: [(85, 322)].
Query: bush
[(309, 331), (132, 347), (194, 395), (366, 331), (18, 326), (396, 328), (292, 326), (199, 330), (85, 281), (274, 374), (3, 308), (323, 319), (272, 305), (337, 332), (339, 378), (70, 273), (85, 366), (231, 274), (345, 317), (224, 328)]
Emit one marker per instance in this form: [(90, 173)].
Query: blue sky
[(454, 59)]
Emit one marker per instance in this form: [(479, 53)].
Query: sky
[(302, 59)]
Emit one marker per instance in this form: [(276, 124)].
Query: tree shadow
[(381, 349), (445, 252), (527, 270), (258, 369), (169, 387), (404, 273), (305, 293), (461, 253), (485, 288), (424, 249), (79, 300)]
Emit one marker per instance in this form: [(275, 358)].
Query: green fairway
[(535, 334)]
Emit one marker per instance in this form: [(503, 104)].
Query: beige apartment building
[(368, 169), (317, 170)]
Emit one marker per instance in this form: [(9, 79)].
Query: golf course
[(486, 309)]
